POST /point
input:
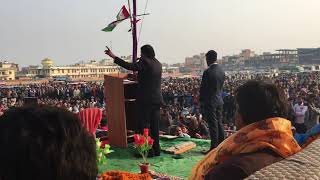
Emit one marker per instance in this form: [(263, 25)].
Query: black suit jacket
[(211, 86), (149, 78)]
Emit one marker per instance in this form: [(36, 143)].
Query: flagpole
[(134, 32)]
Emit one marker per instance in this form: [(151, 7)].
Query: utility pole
[(134, 32)]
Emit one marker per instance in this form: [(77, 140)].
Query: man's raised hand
[(109, 52)]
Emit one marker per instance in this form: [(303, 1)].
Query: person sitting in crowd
[(184, 129), (198, 129), (180, 133), (45, 143), (264, 136)]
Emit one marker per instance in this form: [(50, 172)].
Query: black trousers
[(149, 118), (213, 116)]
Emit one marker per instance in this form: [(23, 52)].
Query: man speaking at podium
[(149, 95)]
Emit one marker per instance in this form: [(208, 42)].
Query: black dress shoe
[(155, 152)]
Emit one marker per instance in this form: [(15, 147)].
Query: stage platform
[(123, 159)]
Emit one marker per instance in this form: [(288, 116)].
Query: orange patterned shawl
[(273, 133), (121, 175)]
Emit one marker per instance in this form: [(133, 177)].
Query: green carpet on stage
[(123, 159)]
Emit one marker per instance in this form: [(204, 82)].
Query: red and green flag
[(122, 15)]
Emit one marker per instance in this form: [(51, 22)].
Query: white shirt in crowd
[(76, 93), (300, 111)]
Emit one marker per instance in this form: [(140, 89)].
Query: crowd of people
[(180, 113), (73, 97), (182, 103), (263, 138)]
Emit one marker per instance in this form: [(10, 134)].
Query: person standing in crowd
[(149, 95), (211, 98), (300, 110)]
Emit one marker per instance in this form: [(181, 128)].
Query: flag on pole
[(121, 16), (111, 26)]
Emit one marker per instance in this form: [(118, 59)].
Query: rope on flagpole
[(145, 9), (130, 13)]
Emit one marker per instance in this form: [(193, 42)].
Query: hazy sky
[(69, 31)]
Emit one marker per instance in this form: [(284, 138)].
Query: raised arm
[(136, 66)]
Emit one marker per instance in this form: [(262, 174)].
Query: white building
[(76, 71)]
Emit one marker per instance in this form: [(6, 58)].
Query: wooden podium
[(121, 108)]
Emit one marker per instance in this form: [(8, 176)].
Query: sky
[(69, 31)]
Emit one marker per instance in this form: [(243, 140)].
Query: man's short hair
[(260, 100), (212, 55), (45, 143), (148, 51)]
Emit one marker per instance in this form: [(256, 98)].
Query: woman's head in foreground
[(45, 143)]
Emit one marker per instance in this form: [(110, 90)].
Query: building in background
[(282, 57), (246, 54), (238, 60), (288, 56), (8, 70), (77, 71), (196, 62), (309, 55)]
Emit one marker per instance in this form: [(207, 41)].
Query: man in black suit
[(211, 98), (149, 95)]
